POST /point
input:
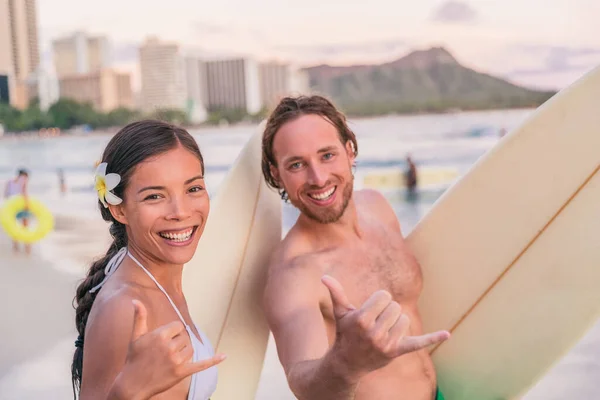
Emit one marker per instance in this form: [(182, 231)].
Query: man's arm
[(292, 306)]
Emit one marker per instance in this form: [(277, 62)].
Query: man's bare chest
[(380, 262)]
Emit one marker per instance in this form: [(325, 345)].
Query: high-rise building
[(163, 76), (196, 91), (280, 79), (4, 89), (233, 84), (23, 26), (44, 87), (19, 49), (80, 54), (105, 90), (6, 59)]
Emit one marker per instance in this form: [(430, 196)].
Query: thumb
[(341, 304), (140, 316)]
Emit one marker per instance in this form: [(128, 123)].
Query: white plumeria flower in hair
[(104, 185)]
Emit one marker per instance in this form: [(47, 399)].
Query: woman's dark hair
[(132, 145), (290, 108)]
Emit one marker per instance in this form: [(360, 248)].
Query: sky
[(537, 43)]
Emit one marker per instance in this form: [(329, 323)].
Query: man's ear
[(350, 150), (118, 213), (274, 173)]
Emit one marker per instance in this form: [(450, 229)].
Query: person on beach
[(136, 337), (16, 187), (62, 183), (410, 174), (342, 289)]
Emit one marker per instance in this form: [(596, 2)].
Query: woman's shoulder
[(113, 311)]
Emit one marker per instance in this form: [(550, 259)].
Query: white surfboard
[(224, 281), (511, 253)]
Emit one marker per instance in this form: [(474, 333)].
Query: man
[(342, 291), (411, 174), (14, 187), (411, 179)]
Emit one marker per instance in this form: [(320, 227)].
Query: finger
[(170, 330), (388, 318), (400, 328), (341, 304), (140, 320), (198, 366), (179, 342), (185, 355), (374, 306), (413, 343)]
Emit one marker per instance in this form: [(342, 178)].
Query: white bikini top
[(204, 383)]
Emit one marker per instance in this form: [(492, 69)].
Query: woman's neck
[(169, 276)]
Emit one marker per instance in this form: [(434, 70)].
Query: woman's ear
[(118, 213)]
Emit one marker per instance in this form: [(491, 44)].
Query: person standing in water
[(136, 336), (411, 179), (411, 174), (16, 187)]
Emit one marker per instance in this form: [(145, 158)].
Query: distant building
[(233, 84), (240, 84), (24, 37), (19, 49), (278, 80), (163, 76), (196, 90), (80, 54), (4, 91), (44, 87), (106, 90)]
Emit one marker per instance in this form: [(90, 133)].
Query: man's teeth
[(178, 237), (324, 195)]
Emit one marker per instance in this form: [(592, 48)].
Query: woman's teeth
[(324, 195), (178, 237)]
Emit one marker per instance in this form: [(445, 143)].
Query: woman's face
[(165, 206)]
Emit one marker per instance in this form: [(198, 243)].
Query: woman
[(16, 187), (136, 338)]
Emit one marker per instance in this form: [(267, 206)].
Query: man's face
[(314, 167)]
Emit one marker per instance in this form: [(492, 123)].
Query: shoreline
[(198, 129)]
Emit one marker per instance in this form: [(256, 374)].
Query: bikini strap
[(159, 286)]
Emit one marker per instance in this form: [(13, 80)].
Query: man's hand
[(370, 337)]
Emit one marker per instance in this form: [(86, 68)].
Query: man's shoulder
[(293, 253), (370, 196), (376, 204), (296, 261)]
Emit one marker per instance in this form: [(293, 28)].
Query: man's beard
[(328, 215)]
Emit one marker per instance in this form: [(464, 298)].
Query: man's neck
[(347, 227)]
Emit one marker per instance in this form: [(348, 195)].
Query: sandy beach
[(38, 332), (38, 324)]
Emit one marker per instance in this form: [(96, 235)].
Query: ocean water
[(446, 141)]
